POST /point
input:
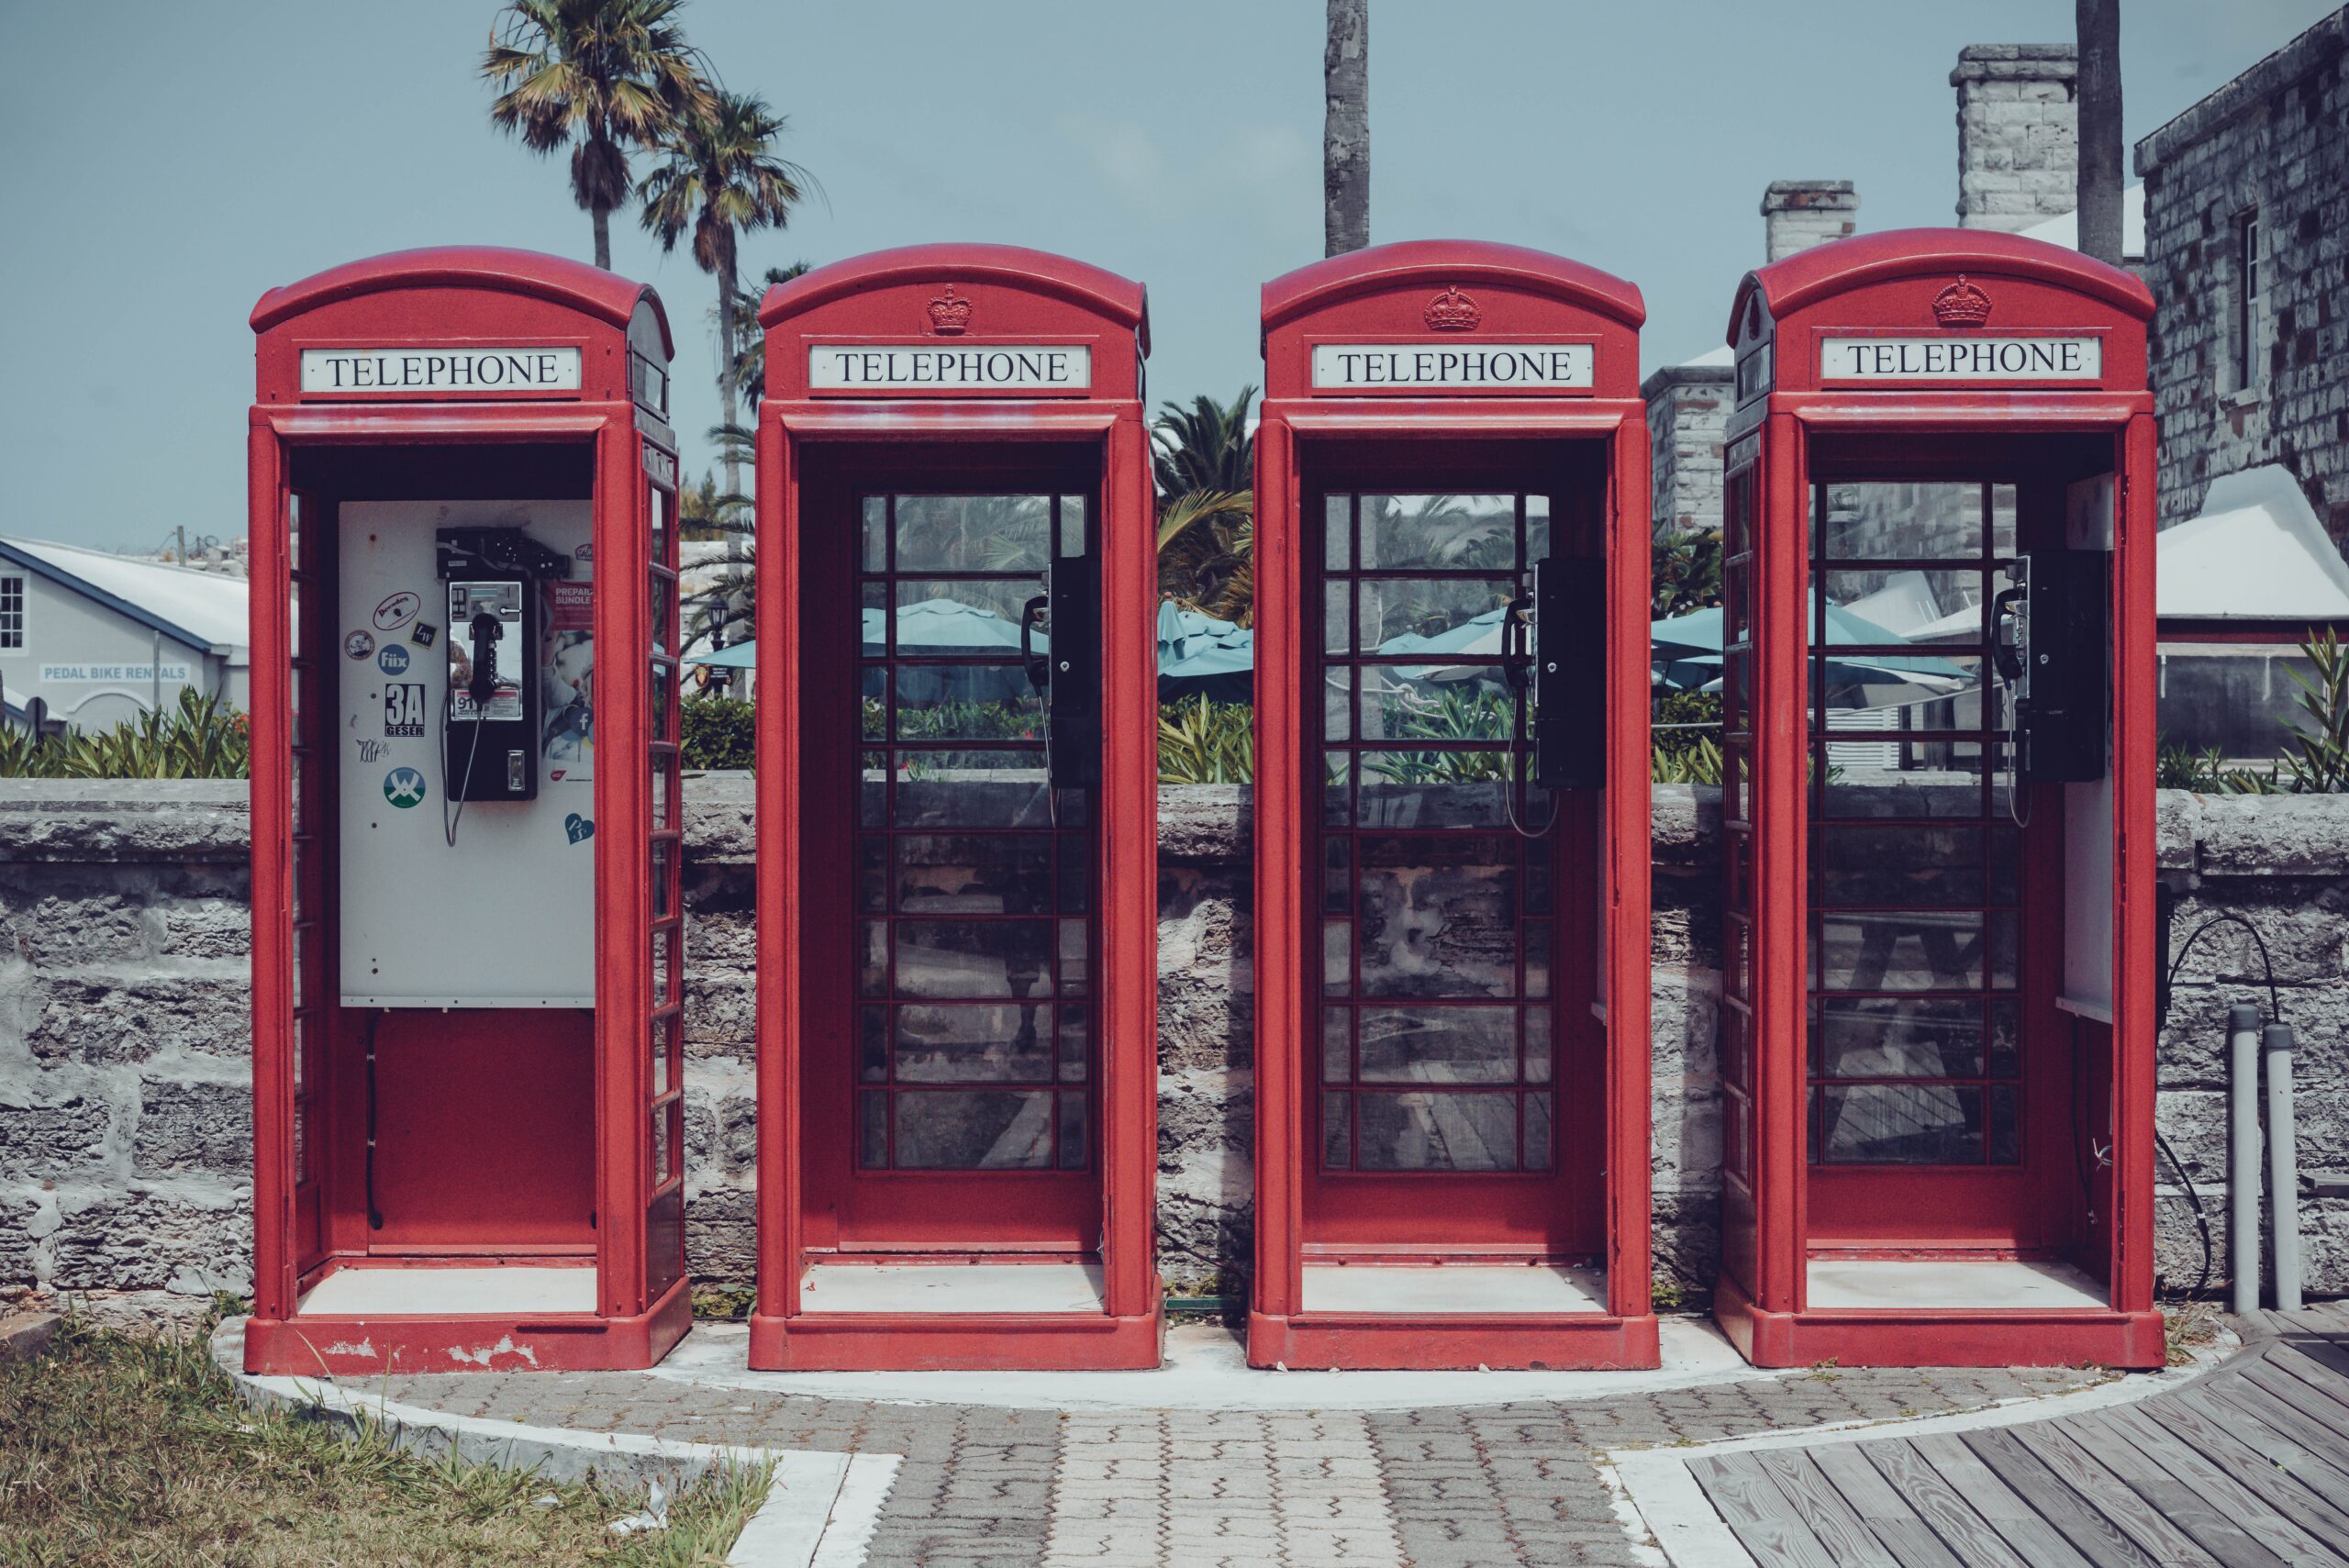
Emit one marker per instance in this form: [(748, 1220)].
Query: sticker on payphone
[(503, 603), (567, 681)]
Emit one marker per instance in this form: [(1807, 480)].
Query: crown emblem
[(1961, 305), (949, 315), (1452, 311)]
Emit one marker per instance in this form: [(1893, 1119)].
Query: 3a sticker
[(397, 610), (359, 644), (422, 633), (578, 829), (393, 660), (403, 708), (403, 787)]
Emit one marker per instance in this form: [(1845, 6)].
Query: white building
[(101, 638)]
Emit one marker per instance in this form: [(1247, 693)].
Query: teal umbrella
[(1199, 654), (1688, 649), (742, 656)]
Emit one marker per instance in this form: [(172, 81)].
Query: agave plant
[(1205, 743), (2321, 764), (201, 737)]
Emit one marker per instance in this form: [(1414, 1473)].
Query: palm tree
[(1345, 128), (1205, 446), (2098, 22), (749, 343), (1204, 459), (599, 75), (719, 177)]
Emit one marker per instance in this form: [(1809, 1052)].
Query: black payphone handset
[(2048, 638), (1555, 653), (489, 723), (1068, 673)]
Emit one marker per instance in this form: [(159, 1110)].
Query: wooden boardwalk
[(2246, 1467)]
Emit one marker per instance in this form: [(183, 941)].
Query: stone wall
[(1799, 214), (2017, 134), (1688, 409), (2275, 141), (125, 1125)]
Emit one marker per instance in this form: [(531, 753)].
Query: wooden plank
[(2304, 1384), (2181, 1504), (2318, 1372), (1886, 1514), (2100, 1540), (2278, 1447), (2015, 1520), (2320, 1349), (2259, 1406), (2330, 1323), (1757, 1512), (1838, 1526), (2084, 1473), (2302, 1500), (1965, 1532), (2272, 1527)]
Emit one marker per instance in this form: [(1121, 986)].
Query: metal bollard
[(2243, 1158), (2283, 1166)]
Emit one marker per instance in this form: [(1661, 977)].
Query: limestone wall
[(124, 1126)]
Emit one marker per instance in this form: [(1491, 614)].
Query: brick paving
[(1478, 1487)]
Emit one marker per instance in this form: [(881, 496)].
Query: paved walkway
[(2247, 1467), (1207, 1463)]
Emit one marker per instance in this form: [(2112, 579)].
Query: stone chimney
[(2017, 134), (1799, 214)]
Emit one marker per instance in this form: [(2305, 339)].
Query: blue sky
[(168, 162)]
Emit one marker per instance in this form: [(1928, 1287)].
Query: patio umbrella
[(1688, 649), (1199, 656)]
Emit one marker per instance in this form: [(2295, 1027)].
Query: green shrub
[(718, 732), (202, 738), (1206, 742)]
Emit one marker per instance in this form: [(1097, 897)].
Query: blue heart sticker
[(578, 828)]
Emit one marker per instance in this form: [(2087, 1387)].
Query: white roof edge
[(2255, 553)]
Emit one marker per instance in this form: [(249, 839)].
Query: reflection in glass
[(1900, 951), (1899, 1037), (972, 533), (975, 1044), (1902, 1124), (1337, 1131), (1423, 1130), (1441, 532), (971, 789), (1928, 866), (974, 873), (1403, 616), (1439, 917), (973, 1130), (967, 702), (1438, 1045), (973, 959)]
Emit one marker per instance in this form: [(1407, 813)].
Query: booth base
[(1452, 1341), (344, 1331), (2033, 1334), (945, 1316)]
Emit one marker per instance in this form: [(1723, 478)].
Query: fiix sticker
[(393, 660), (403, 709)]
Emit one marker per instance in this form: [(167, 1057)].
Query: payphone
[(957, 789), (468, 1108), (1451, 816), (1936, 1024)]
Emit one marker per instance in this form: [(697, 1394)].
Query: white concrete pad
[(1433, 1289), (1206, 1369), (1845, 1284), (409, 1292), (953, 1287)]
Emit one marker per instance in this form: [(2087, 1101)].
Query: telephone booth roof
[(1080, 283), (591, 291), (1414, 263)]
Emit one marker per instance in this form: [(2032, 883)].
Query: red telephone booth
[(957, 820), (1936, 1029), (1451, 898), (468, 1151)]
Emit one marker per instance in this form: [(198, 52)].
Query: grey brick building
[(2247, 228)]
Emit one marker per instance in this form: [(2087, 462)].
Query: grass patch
[(2187, 1325), (123, 1450)]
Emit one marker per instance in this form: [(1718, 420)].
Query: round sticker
[(359, 644), (403, 787), (393, 659), (397, 610)]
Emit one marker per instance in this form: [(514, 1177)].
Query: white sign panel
[(114, 675), (941, 367), (1961, 359), (440, 370), (1348, 367)]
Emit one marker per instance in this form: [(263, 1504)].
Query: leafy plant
[(1206, 742), (718, 732), (1699, 764), (1684, 570), (2320, 765), (202, 738), (1204, 460), (2205, 772)]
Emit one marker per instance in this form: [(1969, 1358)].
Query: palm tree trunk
[(727, 289), (603, 217), (1345, 128), (2100, 129)]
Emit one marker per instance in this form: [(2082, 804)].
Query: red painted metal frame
[(1017, 295), (1873, 283), (437, 298), (1380, 293)]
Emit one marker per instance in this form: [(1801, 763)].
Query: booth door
[(1455, 1057), (968, 1115), (1916, 1061)]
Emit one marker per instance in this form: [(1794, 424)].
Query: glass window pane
[(872, 789), (1913, 866), (1929, 778), (1337, 703), (1900, 1124), (1432, 789), (1337, 533), (956, 617), (1537, 529), (971, 789), (1901, 520), (1904, 1037), (877, 533), (1337, 957), (1071, 524), (873, 970), (1438, 1045), (975, 1044), (872, 1130), (974, 873), (1450, 532), (1537, 958), (1439, 916), (1540, 1032), (1439, 704), (1431, 615), (1537, 1133), (1337, 616), (1900, 951), (1337, 876), (1337, 1131), (1074, 1126), (2006, 1125), (1420, 1131), (1075, 1042), (973, 1130), (873, 1044), (967, 702), (873, 695), (972, 533), (872, 875), (1337, 1045), (973, 959), (1072, 958), (1337, 791), (2005, 1056)]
